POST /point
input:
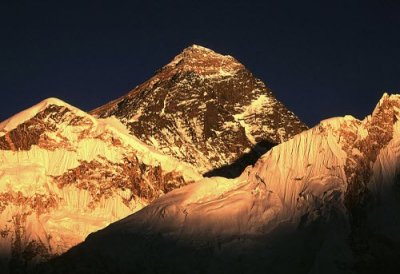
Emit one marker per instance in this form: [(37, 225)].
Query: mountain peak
[(204, 62), (206, 109), (195, 47), (196, 50), (391, 97), (387, 101), (27, 114)]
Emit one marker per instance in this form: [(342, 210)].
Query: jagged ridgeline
[(326, 201), (208, 110)]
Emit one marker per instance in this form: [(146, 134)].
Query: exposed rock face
[(362, 153), (206, 109), (326, 201), (37, 130), (65, 174)]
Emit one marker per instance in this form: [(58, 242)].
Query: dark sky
[(321, 58)]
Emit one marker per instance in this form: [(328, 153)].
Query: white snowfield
[(41, 214), (292, 212)]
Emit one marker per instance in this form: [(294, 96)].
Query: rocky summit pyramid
[(206, 109), (65, 174), (326, 201)]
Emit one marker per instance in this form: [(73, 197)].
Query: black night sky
[(321, 58)]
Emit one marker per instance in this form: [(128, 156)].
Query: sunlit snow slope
[(326, 201), (65, 174)]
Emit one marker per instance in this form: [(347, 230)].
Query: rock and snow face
[(206, 109), (65, 174), (326, 201)]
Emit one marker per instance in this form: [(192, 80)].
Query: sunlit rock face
[(65, 174), (206, 109), (326, 201)]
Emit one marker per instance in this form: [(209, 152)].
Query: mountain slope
[(325, 201), (65, 174), (206, 109)]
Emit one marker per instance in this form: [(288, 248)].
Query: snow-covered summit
[(204, 62), (206, 109)]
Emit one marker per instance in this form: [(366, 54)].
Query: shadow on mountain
[(319, 242), (286, 249), (236, 168), (156, 253)]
